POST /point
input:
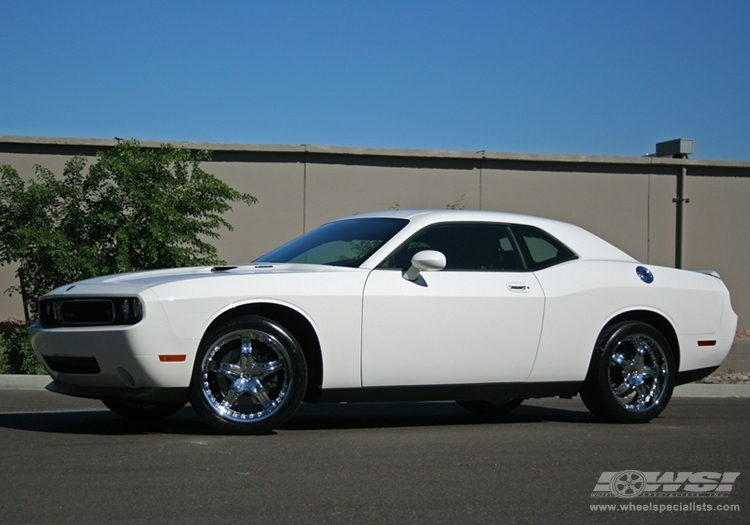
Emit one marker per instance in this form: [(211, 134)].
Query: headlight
[(89, 311)]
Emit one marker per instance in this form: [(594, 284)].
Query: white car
[(485, 308)]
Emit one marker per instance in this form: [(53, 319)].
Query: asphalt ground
[(65, 460)]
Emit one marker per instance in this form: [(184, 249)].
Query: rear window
[(540, 250)]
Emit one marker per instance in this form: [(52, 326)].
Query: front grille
[(90, 311), (85, 312), (72, 365)]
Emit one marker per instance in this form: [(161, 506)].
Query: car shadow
[(101, 422), (390, 415), (307, 418)]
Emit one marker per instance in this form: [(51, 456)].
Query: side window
[(475, 247), (540, 249)]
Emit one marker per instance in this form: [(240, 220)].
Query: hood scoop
[(222, 268)]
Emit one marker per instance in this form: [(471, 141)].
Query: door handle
[(518, 287)]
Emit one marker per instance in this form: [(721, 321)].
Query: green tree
[(132, 209)]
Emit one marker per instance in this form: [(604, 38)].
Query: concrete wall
[(626, 200), (717, 234)]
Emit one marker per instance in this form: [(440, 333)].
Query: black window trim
[(522, 249)]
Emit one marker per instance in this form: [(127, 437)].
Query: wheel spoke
[(640, 351), (619, 359), (229, 370), (622, 389), (258, 390), (234, 392), (623, 362), (246, 354), (644, 391), (649, 371), (262, 370)]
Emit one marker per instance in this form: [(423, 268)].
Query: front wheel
[(249, 376), (631, 376)]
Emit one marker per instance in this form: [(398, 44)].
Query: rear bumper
[(689, 376)]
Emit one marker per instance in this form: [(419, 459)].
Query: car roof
[(452, 215)]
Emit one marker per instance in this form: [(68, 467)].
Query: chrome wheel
[(631, 376), (245, 375), (250, 376), (638, 373)]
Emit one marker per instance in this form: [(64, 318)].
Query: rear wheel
[(631, 376), (141, 410), (490, 407), (249, 376)]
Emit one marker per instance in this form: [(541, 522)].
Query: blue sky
[(571, 77)]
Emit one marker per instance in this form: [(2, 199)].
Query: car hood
[(133, 283)]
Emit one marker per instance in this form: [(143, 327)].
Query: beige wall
[(24, 162), (334, 191), (277, 216), (627, 201), (615, 207), (717, 234)]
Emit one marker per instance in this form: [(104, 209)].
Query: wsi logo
[(633, 483)]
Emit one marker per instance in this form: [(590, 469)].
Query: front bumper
[(115, 357)]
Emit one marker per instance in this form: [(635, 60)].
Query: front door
[(476, 321)]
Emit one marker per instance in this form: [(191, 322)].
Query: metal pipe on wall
[(680, 200)]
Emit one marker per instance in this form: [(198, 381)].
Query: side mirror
[(426, 260)]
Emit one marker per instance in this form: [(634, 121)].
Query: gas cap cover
[(645, 274)]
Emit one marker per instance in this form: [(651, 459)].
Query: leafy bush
[(132, 209), (4, 364), (17, 354)]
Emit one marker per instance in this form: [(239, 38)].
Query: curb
[(738, 359), (26, 382), (712, 390)]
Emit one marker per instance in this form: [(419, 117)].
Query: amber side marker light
[(706, 343), (172, 358)]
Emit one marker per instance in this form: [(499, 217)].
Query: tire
[(632, 374), (249, 376), (142, 411), (490, 407)]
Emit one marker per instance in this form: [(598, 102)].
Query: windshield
[(342, 243)]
